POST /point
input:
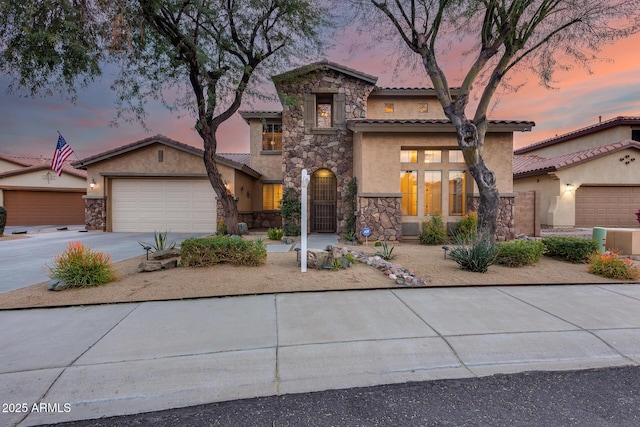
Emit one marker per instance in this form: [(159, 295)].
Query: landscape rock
[(147, 266), (166, 254), (172, 263), (57, 284), (317, 258)]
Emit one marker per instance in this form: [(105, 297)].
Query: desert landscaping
[(281, 273)]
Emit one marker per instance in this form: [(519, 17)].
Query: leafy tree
[(202, 55), (543, 35)]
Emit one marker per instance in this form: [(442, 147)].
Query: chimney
[(599, 119)]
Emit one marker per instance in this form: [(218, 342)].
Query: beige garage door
[(163, 204), (607, 206), (44, 207)]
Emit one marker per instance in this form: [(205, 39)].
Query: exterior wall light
[(568, 188), (92, 183)]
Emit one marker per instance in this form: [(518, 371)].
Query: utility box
[(625, 241)]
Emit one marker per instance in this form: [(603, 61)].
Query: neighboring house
[(396, 142), (33, 194), (159, 184), (588, 177)]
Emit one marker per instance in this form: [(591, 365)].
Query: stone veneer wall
[(505, 229), (260, 219), (383, 215), (314, 151), (95, 213)]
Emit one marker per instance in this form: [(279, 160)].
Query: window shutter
[(309, 111), (340, 108)]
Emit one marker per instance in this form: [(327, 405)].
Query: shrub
[(80, 266), (572, 249), (433, 232), (518, 253), (208, 251), (275, 233), (291, 211), (612, 266), (3, 219), (222, 228), (476, 255), (467, 228), (160, 242)]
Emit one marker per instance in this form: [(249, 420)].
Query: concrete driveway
[(23, 261)]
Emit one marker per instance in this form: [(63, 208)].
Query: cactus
[(3, 219)]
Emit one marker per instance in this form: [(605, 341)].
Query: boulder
[(166, 254), (146, 266), (317, 258), (172, 263), (57, 284), (242, 228)]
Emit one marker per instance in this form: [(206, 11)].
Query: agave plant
[(160, 242)]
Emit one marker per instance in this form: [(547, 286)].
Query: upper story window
[(408, 156), (324, 110), (272, 136), (432, 156), (635, 134), (455, 156)]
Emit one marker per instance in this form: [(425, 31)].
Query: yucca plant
[(475, 255)]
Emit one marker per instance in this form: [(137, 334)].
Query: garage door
[(44, 207), (607, 206), (163, 204)]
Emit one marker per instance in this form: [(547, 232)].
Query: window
[(271, 197), (324, 107), (423, 108), (432, 192), (409, 190), (324, 111), (408, 156), (388, 108), (455, 156), (432, 156), (635, 134), (272, 136), (457, 192)]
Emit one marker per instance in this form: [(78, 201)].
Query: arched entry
[(324, 195)]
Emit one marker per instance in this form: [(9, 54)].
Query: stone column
[(383, 215), (95, 213), (505, 229)]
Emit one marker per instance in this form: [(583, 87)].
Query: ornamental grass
[(79, 266), (611, 265)]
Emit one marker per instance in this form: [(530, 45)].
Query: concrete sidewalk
[(91, 362)]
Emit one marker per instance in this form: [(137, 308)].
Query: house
[(588, 177), (33, 194), (336, 123), (158, 184)]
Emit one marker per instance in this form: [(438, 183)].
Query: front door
[(324, 195)]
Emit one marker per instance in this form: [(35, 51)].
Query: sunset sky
[(29, 126)]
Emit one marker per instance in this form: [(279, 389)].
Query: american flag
[(63, 151)]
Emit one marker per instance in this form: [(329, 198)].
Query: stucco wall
[(8, 166), (269, 164), (403, 108), (597, 139), (549, 188), (38, 180)]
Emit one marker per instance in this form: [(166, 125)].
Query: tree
[(199, 55), (543, 35)]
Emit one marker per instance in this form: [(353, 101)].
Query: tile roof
[(323, 65), (438, 124), (29, 164), (229, 161), (528, 165), (620, 120), (241, 158)]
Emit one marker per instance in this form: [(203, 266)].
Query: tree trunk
[(227, 200), (471, 142)]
